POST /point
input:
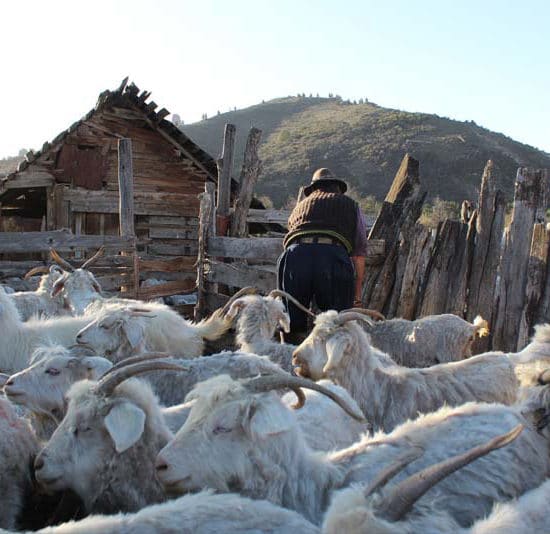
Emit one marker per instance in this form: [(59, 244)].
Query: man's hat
[(321, 176)]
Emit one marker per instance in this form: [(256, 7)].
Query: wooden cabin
[(72, 182)]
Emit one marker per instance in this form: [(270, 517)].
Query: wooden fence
[(478, 267)]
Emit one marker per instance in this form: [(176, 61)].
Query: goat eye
[(52, 371), (104, 326), (220, 430)]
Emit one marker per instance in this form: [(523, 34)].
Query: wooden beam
[(62, 240), (176, 287), (207, 202), (225, 166), (261, 248), (241, 275), (126, 187), (27, 179), (251, 169)]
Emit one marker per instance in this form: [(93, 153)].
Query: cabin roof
[(127, 96)]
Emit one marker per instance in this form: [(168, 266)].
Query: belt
[(318, 239)]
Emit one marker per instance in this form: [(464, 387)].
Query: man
[(325, 249)]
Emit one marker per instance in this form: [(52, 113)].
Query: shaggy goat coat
[(236, 440), (391, 394)]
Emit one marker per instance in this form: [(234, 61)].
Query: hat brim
[(308, 189)]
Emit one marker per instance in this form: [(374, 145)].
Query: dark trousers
[(323, 271)]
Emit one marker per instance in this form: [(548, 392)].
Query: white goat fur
[(18, 445), (40, 303), (203, 513), (258, 319), (236, 440), (118, 331), (20, 339), (324, 425), (427, 341), (391, 394), (351, 512), (105, 448)]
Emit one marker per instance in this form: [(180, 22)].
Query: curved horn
[(371, 313), (344, 317), (403, 496), (279, 381), (284, 294), (137, 359), (241, 293), (41, 269), (393, 469), (110, 381), (94, 258), (544, 377), (64, 264)]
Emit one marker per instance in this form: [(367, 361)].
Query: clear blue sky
[(482, 60)]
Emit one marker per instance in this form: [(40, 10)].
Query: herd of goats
[(368, 426)]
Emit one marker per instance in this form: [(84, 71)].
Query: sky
[(486, 61)]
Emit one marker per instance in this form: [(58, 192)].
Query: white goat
[(120, 331), (203, 513), (40, 302), (238, 439), (18, 445), (340, 350), (427, 341), (105, 447), (41, 387), (20, 339), (380, 509), (258, 319)]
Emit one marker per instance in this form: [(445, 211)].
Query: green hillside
[(364, 144)]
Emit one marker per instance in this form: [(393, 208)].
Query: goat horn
[(371, 313), (137, 359), (279, 381), (344, 317), (64, 264), (94, 258), (393, 469), (241, 293), (41, 269), (544, 377), (284, 294), (403, 496), (109, 381)]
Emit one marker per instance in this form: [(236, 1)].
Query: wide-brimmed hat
[(321, 176)]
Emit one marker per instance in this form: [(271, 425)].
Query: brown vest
[(324, 213)]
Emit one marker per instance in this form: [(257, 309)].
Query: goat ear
[(335, 351), (58, 286), (125, 423), (261, 422), (95, 366), (235, 309), (133, 330)]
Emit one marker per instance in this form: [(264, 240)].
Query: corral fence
[(479, 266)]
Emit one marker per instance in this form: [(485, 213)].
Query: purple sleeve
[(360, 245)]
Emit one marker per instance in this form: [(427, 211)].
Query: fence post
[(529, 205), (225, 166), (126, 201), (205, 224), (251, 169)]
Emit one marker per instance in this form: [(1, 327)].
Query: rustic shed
[(72, 182)]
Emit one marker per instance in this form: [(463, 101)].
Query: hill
[(364, 144)]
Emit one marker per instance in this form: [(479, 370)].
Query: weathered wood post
[(530, 198), (400, 210), (251, 169), (486, 255), (205, 218), (126, 201), (225, 166), (536, 280)]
